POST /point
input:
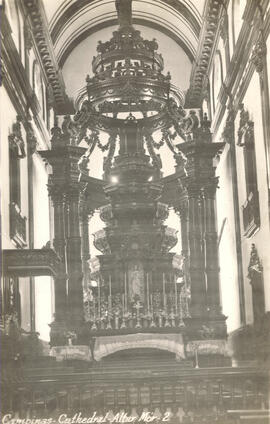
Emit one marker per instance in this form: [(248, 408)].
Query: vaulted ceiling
[(77, 25)]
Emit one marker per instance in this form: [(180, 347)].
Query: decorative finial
[(124, 12)]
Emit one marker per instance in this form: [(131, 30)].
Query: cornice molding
[(14, 77), (208, 39), (30, 262), (15, 81), (37, 21)]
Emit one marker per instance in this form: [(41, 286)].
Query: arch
[(217, 78), (77, 39), (169, 342), (59, 20), (218, 53), (213, 89), (70, 25)]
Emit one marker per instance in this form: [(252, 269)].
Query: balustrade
[(210, 397)]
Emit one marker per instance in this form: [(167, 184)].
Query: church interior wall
[(44, 306), (9, 116), (229, 283), (40, 203), (43, 285), (252, 103)]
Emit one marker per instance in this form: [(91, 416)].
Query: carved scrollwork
[(258, 55), (30, 262), (109, 158), (155, 157)]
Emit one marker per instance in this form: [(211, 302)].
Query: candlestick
[(176, 297), (186, 304), (110, 294), (147, 292), (164, 292), (110, 285), (94, 307), (196, 357), (99, 308), (125, 291), (94, 326), (181, 322)]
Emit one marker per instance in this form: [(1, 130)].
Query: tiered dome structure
[(136, 270)]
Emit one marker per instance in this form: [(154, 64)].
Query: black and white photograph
[(135, 211)]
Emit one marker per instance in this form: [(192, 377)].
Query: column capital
[(56, 193), (210, 187), (72, 191), (193, 188)]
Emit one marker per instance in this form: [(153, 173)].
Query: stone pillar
[(60, 282), (228, 136), (196, 262), (203, 250), (74, 262), (65, 190), (211, 247)]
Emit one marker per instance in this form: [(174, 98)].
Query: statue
[(136, 282)]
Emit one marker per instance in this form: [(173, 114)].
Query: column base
[(58, 333), (214, 311), (198, 311), (65, 333)]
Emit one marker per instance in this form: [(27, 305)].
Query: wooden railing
[(187, 394)]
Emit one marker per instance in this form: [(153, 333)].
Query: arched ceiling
[(72, 21), (76, 26)]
